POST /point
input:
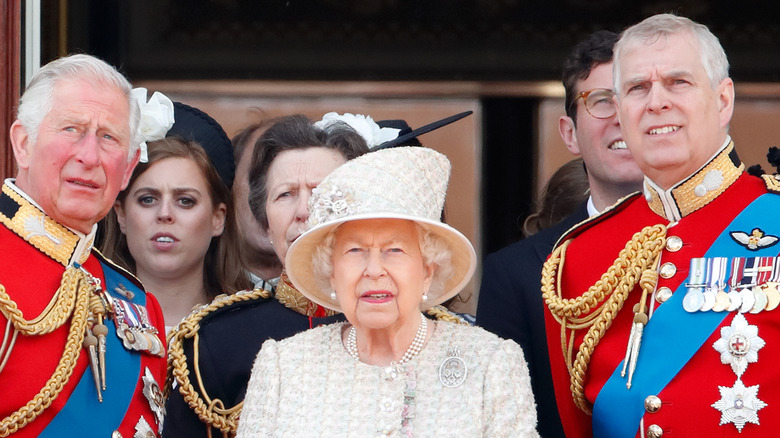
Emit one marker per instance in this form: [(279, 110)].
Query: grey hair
[(650, 30), (434, 249), (36, 102)]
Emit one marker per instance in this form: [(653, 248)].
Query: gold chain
[(74, 282), (210, 411), (602, 302)]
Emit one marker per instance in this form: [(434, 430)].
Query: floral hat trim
[(364, 125), (331, 205), (156, 117)]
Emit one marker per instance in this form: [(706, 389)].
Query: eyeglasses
[(599, 102)]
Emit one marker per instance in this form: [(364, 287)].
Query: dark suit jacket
[(511, 306)]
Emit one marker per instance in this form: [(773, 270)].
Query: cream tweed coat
[(309, 386)]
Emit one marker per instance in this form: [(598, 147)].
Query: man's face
[(599, 141), (673, 120), (79, 161)]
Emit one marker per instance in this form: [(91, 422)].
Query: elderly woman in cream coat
[(377, 252)]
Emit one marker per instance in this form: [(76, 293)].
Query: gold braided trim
[(41, 231), (685, 198), (635, 264), (84, 286), (56, 313), (441, 313), (210, 411), (289, 296), (772, 182)]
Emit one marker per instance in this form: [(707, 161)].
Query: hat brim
[(300, 269)]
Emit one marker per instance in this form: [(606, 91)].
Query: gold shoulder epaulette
[(593, 220), (772, 182), (441, 313)]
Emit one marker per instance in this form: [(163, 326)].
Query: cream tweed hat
[(399, 183)]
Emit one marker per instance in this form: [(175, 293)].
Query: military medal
[(453, 370), (722, 302), (716, 276), (739, 344), (143, 430), (737, 265), (761, 299), (739, 404), (694, 297), (134, 328), (155, 397), (772, 295), (738, 347)]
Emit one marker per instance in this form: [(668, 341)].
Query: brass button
[(652, 404), (674, 243), (655, 431), (668, 270), (663, 294)]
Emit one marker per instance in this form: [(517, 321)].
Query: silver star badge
[(739, 404), (155, 397), (143, 430), (739, 344)]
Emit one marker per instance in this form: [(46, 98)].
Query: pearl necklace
[(411, 352)]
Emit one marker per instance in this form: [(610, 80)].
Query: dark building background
[(490, 41)]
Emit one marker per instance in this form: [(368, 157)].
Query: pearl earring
[(333, 296), (425, 298)]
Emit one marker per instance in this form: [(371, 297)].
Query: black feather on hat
[(408, 136)]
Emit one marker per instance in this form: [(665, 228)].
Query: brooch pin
[(754, 241), (453, 370)]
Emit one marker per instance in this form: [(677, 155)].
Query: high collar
[(699, 189), (288, 295), (20, 214)]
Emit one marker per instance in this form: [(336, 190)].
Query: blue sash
[(618, 411), (83, 415)]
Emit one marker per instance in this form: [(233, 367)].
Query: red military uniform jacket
[(683, 386), (35, 254)]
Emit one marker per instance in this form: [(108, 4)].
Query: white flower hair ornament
[(364, 125), (156, 117)]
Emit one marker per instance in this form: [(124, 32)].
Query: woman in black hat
[(173, 226)]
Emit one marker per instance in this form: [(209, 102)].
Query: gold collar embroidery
[(29, 222), (697, 190), (288, 295)]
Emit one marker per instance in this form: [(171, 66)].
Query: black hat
[(192, 124), (408, 136)]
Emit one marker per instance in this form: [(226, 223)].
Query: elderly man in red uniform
[(662, 311), (80, 350)]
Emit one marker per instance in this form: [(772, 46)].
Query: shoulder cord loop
[(601, 303), (74, 298), (210, 411)]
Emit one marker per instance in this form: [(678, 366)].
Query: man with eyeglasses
[(510, 302), (663, 313)]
